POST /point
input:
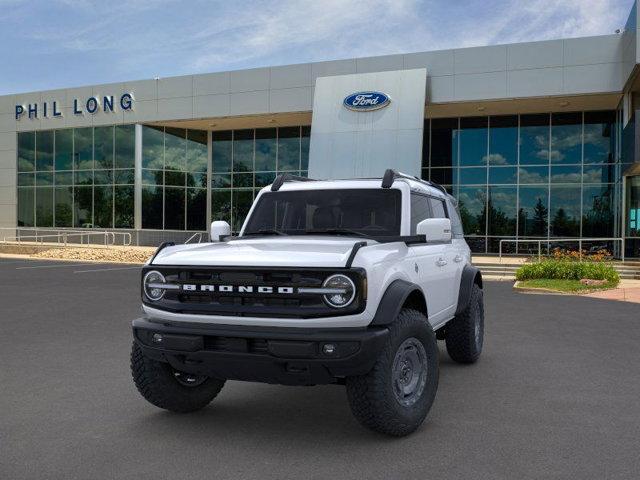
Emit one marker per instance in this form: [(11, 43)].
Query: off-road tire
[(157, 384), (460, 333), (371, 396)]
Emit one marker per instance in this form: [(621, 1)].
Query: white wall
[(347, 143)]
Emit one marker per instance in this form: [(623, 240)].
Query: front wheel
[(396, 395), (170, 389)]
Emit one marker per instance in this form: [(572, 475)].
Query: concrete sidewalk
[(627, 291)]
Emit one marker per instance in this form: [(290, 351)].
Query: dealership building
[(538, 141)]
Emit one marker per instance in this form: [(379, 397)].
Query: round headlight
[(150, 283), (343, 291)]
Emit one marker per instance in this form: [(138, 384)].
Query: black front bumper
[(288, 356)]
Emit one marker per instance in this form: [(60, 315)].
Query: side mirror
[(435, 229), (219, 229)]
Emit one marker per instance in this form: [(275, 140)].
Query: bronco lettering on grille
[(190, 287)]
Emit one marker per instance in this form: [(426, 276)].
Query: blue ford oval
[(366, 101)]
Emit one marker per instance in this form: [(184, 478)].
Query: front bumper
[(289, 356)]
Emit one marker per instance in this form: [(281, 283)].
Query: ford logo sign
[(366, 101)]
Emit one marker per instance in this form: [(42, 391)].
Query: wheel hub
[(189, 379), (409, 375)]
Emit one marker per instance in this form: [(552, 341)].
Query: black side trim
[(393, 300), (356, 246), (160, 248), (470, 275), (287, 177)]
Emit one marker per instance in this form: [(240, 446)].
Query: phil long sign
[(91, 105)]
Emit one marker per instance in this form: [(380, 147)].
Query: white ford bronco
[(346, 282)]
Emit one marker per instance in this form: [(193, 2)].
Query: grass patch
[(564, 285)]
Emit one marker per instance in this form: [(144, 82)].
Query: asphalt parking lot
[(555, 395)]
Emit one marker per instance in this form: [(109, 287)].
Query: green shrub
[(558, 269)]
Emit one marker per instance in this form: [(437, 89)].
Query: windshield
[(359, 212)]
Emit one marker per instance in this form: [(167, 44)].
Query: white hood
[(287, 251)]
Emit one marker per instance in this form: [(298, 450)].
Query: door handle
[(441, 262), (458, 258)]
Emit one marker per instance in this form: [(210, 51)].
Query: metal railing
[(549, 242), (198, 235), (76, 238)]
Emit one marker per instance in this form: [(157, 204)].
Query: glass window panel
[(266, 149), (534, 139), (26, 179), (102, 177), (221, 205), (126, 176), (175, 149), (176, 179), (632, 207), (599, 140), (471, 205), (566, 138), (152, 177), (533, 213), (242, 180), (564, 212), (420, 210), (264, 179), (472, 176), (44, 207), (44, 150), (501, 175), (103, 207), (443, 141), (443, 176), (125, 148), (597, 211), (196, 209), (221, 181), (64, 150), (304, 147), (221, 147), (103, 147), (26, 203), (197, 152), (44, 179), (242, 200), (152, 147), (174, 208), (152, 207), (243, 150), (473, 141), (83, 177), (123, 199), (83, 206), (605, 173), (534, 175), (503, 140), (197, 179), (26, 151), (288, 149), (501, 211), (83, 148), (566, 174)]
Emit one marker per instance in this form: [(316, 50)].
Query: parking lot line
[(53, 266), (107, 269)]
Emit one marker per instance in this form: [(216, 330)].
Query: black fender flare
[(393, 300), (470, 275)]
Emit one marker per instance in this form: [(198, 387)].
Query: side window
[(419, 210), (456, 224), (437, 207)]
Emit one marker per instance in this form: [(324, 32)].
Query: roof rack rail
[(287, 177), (390, 175)]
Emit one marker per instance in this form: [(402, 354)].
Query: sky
[(48, 44)]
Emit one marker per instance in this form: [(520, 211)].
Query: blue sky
[(46, 44)]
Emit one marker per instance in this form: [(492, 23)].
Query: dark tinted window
[(371, 212), (456, 224), (437, 208), (420, 210)]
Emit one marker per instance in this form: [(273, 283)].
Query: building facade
[(536, 140)]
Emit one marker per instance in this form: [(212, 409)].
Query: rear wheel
[(464, 335), (396, 395), (167, 388)]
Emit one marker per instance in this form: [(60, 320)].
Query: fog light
[(328, 349), (157, 338)]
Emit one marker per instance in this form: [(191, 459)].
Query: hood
[(289, 251)]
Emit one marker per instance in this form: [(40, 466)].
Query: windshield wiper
[(337, 231), (265, 231)]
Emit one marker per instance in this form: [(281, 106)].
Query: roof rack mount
[(391, 175), (287, 177)]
